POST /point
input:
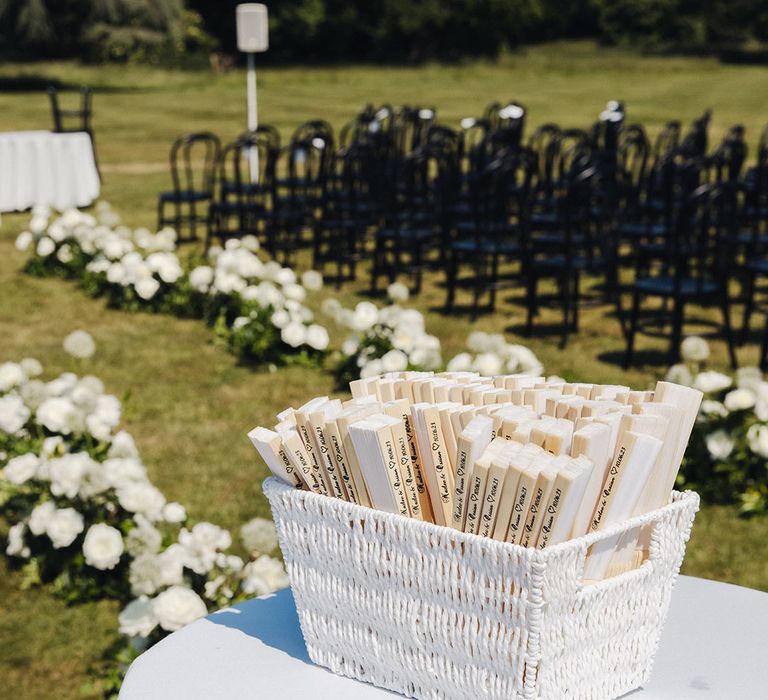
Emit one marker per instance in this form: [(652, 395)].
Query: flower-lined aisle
[(727, 456), (256, 307), (85, 517)]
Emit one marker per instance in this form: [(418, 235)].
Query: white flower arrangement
[(84, 514), (727, 456), (235, 291), (385, 339), (490, 354)]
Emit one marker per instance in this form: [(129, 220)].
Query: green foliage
[(681, 24), (124, 31)]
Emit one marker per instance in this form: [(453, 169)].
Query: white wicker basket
[(430, 612)]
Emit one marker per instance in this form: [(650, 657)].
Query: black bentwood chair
[(74, 120), (244, 193), (194, 159), (694, 269)]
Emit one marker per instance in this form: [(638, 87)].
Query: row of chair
[(493, 209)]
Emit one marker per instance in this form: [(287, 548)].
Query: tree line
[(394, 31)]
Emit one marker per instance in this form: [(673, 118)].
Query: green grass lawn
[(189, 404)]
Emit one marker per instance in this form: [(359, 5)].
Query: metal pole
[(253, 118)]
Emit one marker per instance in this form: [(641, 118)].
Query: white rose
[(460, 363), (143, 538), (312, 280), (174, 513), (202, 543), (178, 606), (103, 546), (21, 469), (80, 344), (64, 254), (394, 361), (488, 364), (11, 375), (757, 437), (64, 526), (108, 409), (59, 415), (371, 369), (40, 517), (121, 471), (711, 381), (263, 576), (45, 247), (398, 292), (525, 361), (478, 341), (122, 446), (147, 287), (33, 393), (63, 384), (16, 546), (285, 276), (31, 367), (739, 400), (694, 349), (240, 322), (317, 337), (349, 346), (138, 618), (24, 240), (281, 318), (679, 374), (719, 445), (294, 334), (749, 378), (259, 535), (143, 498), (713, 408), (295, 292), (200, 278), (13, 414), (365, 316), (67, 472), (250, 242)]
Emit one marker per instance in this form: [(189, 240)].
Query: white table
[(43, 168), (714, 645)]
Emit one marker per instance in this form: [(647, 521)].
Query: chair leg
[(632, 329), (576, 298), (729, 331), (531, 302), (749, 305), (493, 281), (764, 347), (450, 280), (678, 307), (565, 300)]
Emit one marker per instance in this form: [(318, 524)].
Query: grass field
[(189, 404)]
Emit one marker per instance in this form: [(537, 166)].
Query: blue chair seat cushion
[(665, 286), (185, 196)]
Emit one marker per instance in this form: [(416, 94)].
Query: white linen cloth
[(712, 648), (43, 168)]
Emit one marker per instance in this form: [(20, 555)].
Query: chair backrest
[(545, 145), (700, 247), (512, 122), (725, 164), (410, 126), (667, 140), (82, 115), (247, 168), (632, 162), (194, 159), (695, 141)]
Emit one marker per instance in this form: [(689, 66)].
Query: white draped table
[(714, 647), (44, 168)]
